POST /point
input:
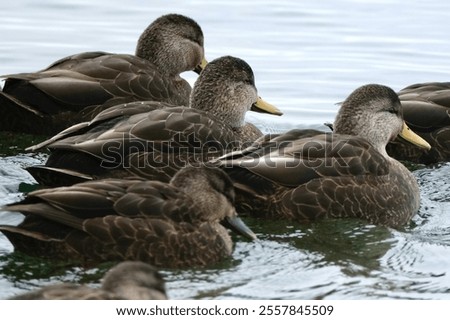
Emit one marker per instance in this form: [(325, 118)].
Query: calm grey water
[(307, 56)]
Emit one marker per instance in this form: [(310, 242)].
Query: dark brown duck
[(167, 225), (78, 87), (154, 140), (346, 173), (129, 280), (426, 109)]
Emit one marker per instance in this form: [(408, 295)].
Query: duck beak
[(264, 107), (237, 225), (413, 138), (201, 66)]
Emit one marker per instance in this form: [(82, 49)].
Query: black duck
[(154, 140), (78, 87), (129, 280), (167, 225), (426, 110), (346, 173)]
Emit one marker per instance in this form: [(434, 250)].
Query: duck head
[(226, 88), (374, 112), (213, 192), (174, 43)]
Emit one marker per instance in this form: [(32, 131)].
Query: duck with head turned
[(153, 140), (346, 173), (172, 225), (78, 87), (129, 280), (426, 109)]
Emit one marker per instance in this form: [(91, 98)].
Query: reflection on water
[(307, 56)]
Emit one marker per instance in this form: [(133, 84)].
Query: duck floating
[(154, 140), (172, 225), (426, 110), (78, 87), (346, 173), (130, 280)]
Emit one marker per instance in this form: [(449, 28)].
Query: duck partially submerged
[(171, 225), (346, 173), (426, 110), (130, 280), (78, 87), (154, 140)]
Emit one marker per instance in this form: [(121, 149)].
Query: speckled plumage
[(78, 87), (302, 176), (130, 280), (154, 140), (167, 225), (426, 109)]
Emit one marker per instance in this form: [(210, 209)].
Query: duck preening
[(78, 87)]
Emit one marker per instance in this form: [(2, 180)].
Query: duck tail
[(30, 242), (19, 117), (57, 177)]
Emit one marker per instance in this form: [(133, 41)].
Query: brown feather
[(78, 87), (426, 109), (171, 225), (143, 139), (127, 280), (336, 175)]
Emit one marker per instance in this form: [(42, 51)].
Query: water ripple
[(306, 56)]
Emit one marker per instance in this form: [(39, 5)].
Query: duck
[(426, 109), (168, 225), (346, 173), (76, 88), (128, 280), (154, 140)]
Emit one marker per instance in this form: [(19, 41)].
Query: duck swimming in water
[(346, 173), (78, 87), (172, 225), (426, 110), (154, 140), (130, 280)]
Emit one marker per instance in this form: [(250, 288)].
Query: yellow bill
[(201, 66), (413, 138), (264, 107)]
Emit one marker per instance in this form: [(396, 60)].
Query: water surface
[(307, 56)]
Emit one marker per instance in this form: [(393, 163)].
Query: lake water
[(307, 56)]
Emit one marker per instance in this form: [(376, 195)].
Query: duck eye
[(249, 82), (393, 111)]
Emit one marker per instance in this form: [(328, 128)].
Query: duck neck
[(221, 103), (351, 124), (156, 50), (204, 198), (247, 133), (373, 136)]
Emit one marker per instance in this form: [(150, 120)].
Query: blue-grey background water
[(307, 56)]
